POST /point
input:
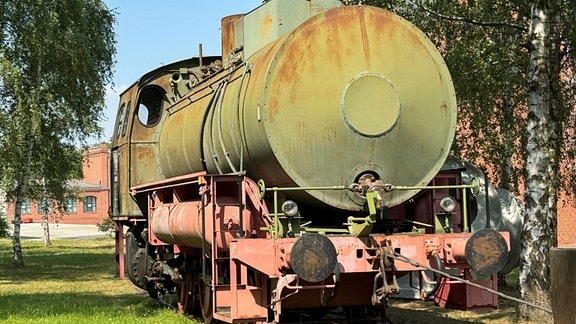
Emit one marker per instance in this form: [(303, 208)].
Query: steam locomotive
[(299, 173)]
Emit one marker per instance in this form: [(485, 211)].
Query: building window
[(89, 204), (25, 207), (44, 205), (70, 204)]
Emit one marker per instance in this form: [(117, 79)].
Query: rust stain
[(267, 20), (228, 35), (311, 262), (391, 27), (444, 107), (266, 58), (486, 252), (364, 34), (266, 26)]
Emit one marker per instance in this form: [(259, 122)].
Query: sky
[(151, 33)]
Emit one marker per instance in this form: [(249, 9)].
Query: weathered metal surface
[(299, 110), (358, 254), (270, 22), (284, 96), (306, 110), (181, 216), (313, 257), (487, 251), (228, 34), (181, 224), (505, 210), (357, 259), (135, 141), (121, 144), (458, 295), (512, 221), (352, 91), (477, 202)]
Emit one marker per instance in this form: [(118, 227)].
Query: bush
[(107, 226), (4, 226)]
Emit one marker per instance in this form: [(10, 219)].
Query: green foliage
[(54, 68), (56, 59), (107, 226), (4, 226)]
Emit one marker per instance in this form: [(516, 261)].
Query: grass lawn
[(72, 282)]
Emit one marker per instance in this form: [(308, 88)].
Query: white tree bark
[(45, 220), (46, 228), (539, 232), (16, 245)]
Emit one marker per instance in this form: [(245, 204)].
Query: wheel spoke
[(205, 302), (185, 298)]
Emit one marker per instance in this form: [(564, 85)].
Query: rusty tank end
[(357, 86)]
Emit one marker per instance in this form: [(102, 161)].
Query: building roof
[(85, 186)]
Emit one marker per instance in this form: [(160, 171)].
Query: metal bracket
[(381, 292)]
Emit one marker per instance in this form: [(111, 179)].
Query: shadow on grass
[(401, 311), (33, 306), (415, 311), (71, 260)]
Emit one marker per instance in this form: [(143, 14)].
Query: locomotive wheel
[(185, 298), (136, 260), (205, 301)]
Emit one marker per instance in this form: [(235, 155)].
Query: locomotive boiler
[(291, 174)]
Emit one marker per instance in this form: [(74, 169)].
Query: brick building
[(91, 207), (566, 221)]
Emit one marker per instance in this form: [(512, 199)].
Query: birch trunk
[(27, 146), (45, 220), (16, 245), (21, 191), (539, 232), (20, 195), (46, 228)]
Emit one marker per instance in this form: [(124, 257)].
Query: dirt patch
[(412, 311)]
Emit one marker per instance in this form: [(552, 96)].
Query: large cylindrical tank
[(353, 90)]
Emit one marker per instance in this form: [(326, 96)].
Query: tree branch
[(468, 20)]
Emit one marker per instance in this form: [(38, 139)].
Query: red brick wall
[(95, 172), (566, 224), (96, 166)]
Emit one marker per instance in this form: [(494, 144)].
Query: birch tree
[(544, 127), (56, 59), (513, 68)]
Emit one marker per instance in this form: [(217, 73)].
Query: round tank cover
[(368, 93)]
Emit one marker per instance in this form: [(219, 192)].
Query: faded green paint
[(374, 96), (260, 27), (301, 106)]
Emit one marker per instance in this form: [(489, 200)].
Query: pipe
[(438, 280), (487, 197)]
